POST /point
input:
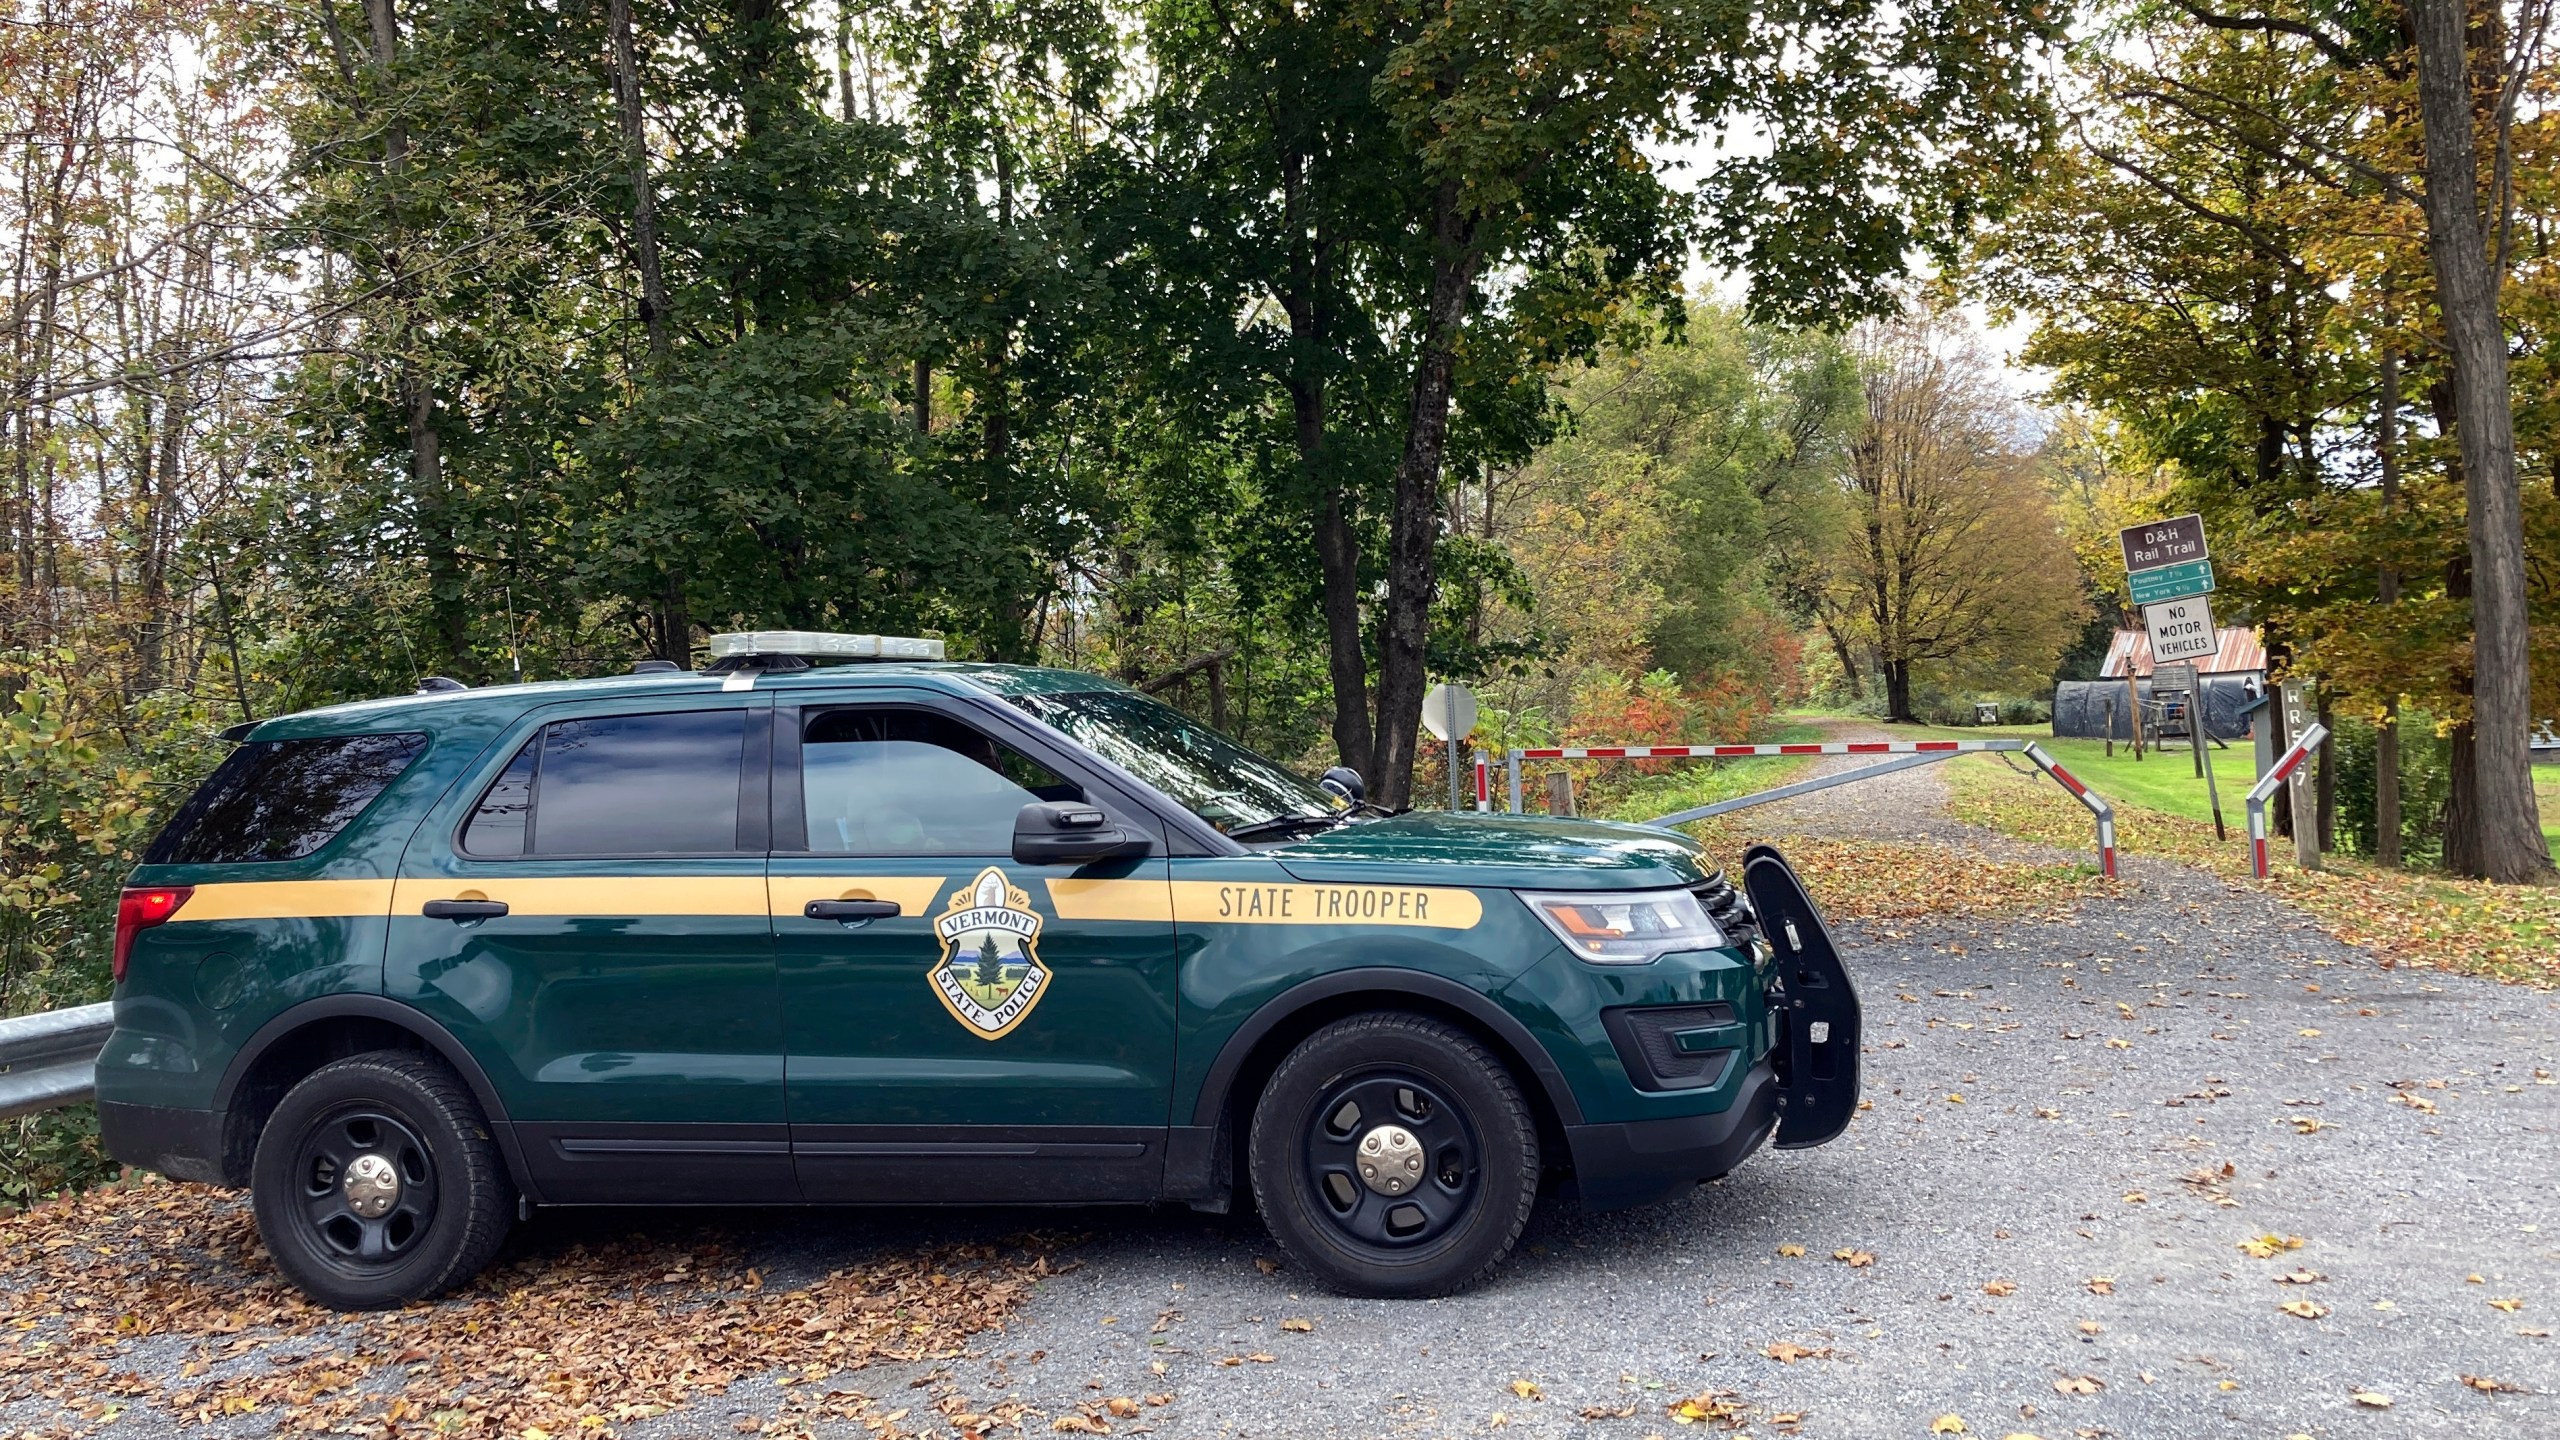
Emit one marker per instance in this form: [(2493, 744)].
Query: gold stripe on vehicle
[(599, 895), (914, 894), (1215, 902), (285, 900)]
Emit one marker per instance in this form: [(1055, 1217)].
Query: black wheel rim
[(1435, 1204), (359, 1139)]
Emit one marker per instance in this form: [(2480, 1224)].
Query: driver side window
[(912, 782)]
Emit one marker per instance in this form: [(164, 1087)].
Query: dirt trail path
[(1909, 806)]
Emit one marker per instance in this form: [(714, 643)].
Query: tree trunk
[(844, 60), (1346, 658), (644, 201), (2508, 824), (1897, 692), (2327, 790), (446, 610), (1303, 298), (1413, 534), (2386, 738), (2461, 802)]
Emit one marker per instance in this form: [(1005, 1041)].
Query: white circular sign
[(1449, 712)]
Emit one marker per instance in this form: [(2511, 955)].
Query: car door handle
[(850, 909), (459, 911)]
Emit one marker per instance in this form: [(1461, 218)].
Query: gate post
[(2259, 793), (2097, 804)]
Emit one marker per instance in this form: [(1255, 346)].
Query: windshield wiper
[(1284, 825)]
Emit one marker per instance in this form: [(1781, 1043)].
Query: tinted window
[(498, 822), (910, 782), (1201, 770), (282, 799), (618, 785)]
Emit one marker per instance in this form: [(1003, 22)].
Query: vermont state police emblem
[(990, 975)]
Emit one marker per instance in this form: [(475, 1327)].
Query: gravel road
[(2075, 1128), (2055, 1106)]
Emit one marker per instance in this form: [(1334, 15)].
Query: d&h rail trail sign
[(2171, 571), (2157, 543)]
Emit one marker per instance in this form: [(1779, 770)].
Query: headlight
[(1626, 927)]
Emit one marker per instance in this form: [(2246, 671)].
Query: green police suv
[(909, 932)]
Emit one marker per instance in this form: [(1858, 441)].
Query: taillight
[(139, 910)]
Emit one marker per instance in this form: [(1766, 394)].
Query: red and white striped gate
[(1906, 755)]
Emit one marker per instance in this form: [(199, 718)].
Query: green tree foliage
[(1647, 530), (2240, 266), (1953, 565), (1409, 218)]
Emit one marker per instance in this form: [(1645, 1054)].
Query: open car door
[(1816, 1044)]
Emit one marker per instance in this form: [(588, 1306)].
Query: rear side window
[(282, 799), (617, 785)]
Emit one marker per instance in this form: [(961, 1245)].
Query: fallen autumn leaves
[(1904, 880), (570, 1343), (2414, 917)]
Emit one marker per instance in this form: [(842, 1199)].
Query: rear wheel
[(377, 1183), (1393, 1155)]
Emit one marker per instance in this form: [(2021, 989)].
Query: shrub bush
[(2426, 781)]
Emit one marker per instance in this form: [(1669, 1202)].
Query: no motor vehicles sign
[(2181, 630)]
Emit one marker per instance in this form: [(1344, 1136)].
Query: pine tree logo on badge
[(990, 974)]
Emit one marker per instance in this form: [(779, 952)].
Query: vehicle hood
[(1514, 852)]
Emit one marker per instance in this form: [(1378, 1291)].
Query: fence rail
[(50, 1059)]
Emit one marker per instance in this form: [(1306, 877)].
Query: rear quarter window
[(282, 799)]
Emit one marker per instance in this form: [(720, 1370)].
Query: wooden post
[(2111, 729), (1560, 793), (2133, 699), (2300, 786)]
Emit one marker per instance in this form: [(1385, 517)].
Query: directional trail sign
[(2172, 582), (2181, 630)]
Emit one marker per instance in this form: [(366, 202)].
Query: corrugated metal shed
[(2239, 654)]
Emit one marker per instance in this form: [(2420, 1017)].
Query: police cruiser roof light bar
[(740, 653)]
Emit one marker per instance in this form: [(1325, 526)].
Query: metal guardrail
[(50, 1059)]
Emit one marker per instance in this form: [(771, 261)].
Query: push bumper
[(1644, 1162), (181, 1144)]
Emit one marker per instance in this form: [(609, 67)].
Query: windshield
[(1203, 771)]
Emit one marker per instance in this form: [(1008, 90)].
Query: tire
[(1466, 1157), (438, 1203)]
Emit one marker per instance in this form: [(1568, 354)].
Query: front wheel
[(376, 1183), (1393, 1155)]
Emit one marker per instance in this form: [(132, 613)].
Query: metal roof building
[(2239, 654)]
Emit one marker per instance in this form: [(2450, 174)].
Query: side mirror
[(1068, 832), (1343, 781)]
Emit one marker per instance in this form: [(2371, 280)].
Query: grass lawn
[(2165, 781)]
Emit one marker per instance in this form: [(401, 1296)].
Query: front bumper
[(181, 1144), (1644, 1162)]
